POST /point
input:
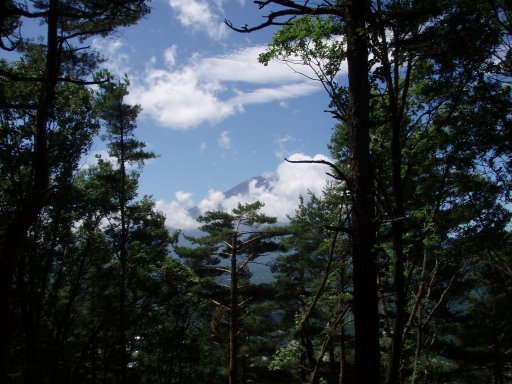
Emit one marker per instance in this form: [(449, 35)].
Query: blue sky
[(213, 114)]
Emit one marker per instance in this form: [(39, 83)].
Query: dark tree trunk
[(16, 229), (392, 75), (343, 354), (365, 303), (123, 256), (233, 316), (393, 371), (343, 358)]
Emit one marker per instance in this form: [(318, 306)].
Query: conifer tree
[(233, 240), (120, 122)]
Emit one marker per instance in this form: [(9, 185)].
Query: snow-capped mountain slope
[(243, 188)]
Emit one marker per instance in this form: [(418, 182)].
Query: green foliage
[(309, 39), (286, 357), (121, 120), (231, 242), (319, 43)]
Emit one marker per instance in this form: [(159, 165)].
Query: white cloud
[(211, 203), (112, 49), (224, 140), (199, 16), (265, 95), (170, 56), (210, 89), (203, 147), (289, 181), (177, 211), (178, 99), (242, 65)]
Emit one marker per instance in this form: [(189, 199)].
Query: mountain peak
[(243, 187)]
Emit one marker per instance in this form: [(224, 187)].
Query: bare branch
[(17, 106), (221, 305), (17, 77), (323, 283), (229, 245), (243, 303), (339, 228), (82, 82), (340, 174), (291, 11), (441, 298), (224, 270)]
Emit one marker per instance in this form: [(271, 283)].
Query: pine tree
[(120, 122), (233, 240)]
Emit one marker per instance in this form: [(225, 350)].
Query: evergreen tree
[(233, 240), (120, 121)]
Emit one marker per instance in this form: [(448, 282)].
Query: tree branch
[(340, 174), (293, 10), (16, 77)]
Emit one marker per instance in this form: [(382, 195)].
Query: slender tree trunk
[(233, 317), (397, 216), (393, 371), (343, 356), (124, 257), (308, 350), (417, 352), (333, 369), (365, 303), (303, 358), (16, 231)]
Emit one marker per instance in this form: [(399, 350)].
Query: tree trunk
[(342, 375), (365, 303), (398, 211), (123, 254), (233, 317), (16, 230), (343, 354)]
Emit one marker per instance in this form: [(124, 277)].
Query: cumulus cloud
[(199, 16), (179, 99), (213, 202), (177, 211), (287, 183), (210, 89)]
